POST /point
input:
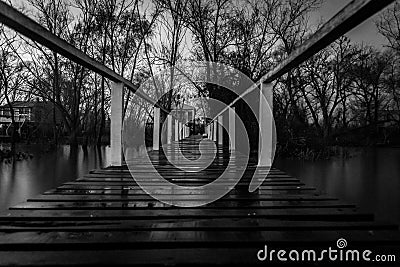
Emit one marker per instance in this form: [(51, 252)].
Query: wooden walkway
[(105, 218)]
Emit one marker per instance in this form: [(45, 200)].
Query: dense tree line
[(344, 87)]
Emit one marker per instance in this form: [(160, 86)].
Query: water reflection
[(370, 179), (47, 170)]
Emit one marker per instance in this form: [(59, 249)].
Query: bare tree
[(12, 78), (368, 73), (326, 86), (171, 20), (388, 25), (291, 24)]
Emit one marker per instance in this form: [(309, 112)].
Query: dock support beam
[(176, 130), (214, 128), (220, 130), (116, 123), (232, 129), (179, 130), (184, 125), (266, 125), (169, 129), (156, 129)]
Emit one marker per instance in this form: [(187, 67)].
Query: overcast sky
[(365, 32)]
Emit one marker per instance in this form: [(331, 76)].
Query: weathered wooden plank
[(130, 179), (181, 239), (91, 186), (140, 167), (126, 191), (192, 175), (167, 167), (197, 175), (335, 214), (215, 224), (189, 182), (121, 205), (146, 197)]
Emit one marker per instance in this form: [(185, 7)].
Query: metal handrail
[(346, 19), (21, 23)]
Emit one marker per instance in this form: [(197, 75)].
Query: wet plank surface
[(106, 218)]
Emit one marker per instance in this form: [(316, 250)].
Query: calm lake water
[(46, 170), (370, 178)]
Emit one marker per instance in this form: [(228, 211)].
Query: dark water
[(46, 170), (370, 178)]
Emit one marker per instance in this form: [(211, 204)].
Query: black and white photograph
[(200, 133)]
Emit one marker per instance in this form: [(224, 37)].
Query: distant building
[(28, 114)]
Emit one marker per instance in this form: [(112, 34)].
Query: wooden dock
[(105, 218)]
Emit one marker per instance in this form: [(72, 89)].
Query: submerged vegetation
[(7, 155), (310, 152)]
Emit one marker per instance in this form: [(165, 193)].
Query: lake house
[(28, 115)]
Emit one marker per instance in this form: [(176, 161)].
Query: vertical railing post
[(188, 120), (232, 129), (182, 130), (179, 130), (156, 129), (176, 130), (183, 125), (220, 130), (169, 129), (185, 128), (215, 123), (266, 125), (116, 123)]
